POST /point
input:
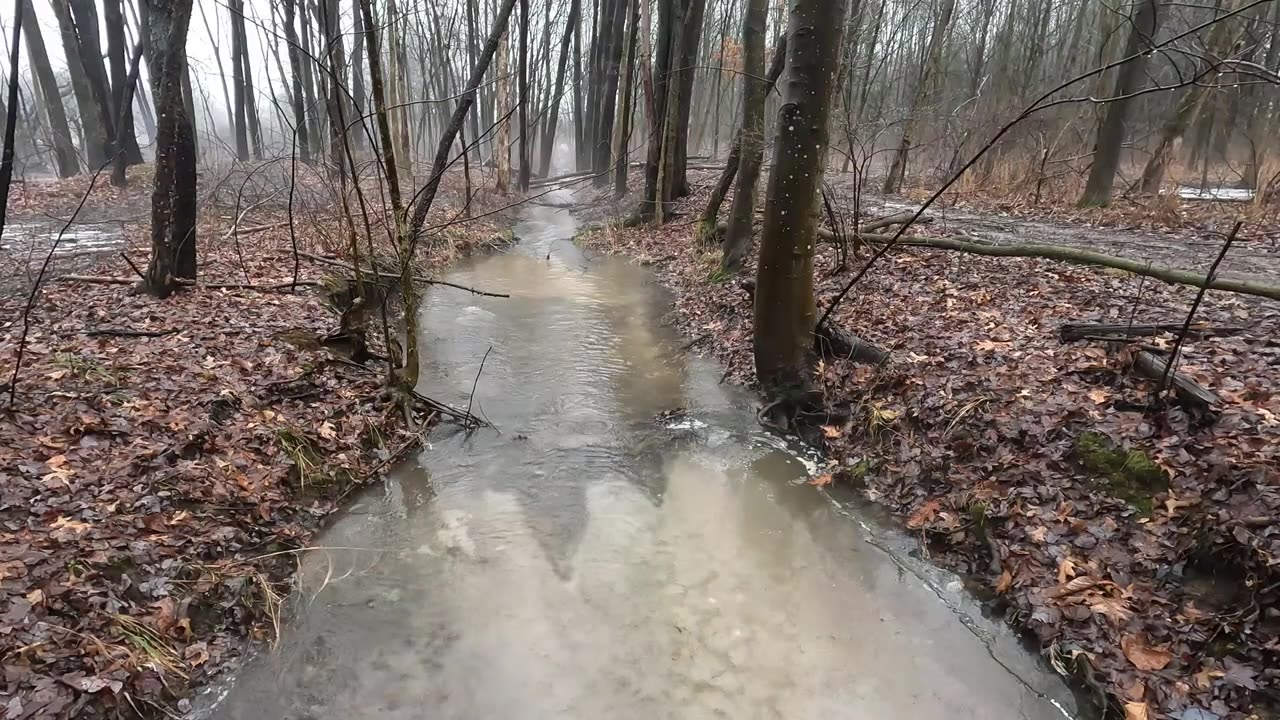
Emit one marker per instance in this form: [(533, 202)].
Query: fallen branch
[(126, 332), (1155, 367), (1071, 332), (1076, 255), (396, 276), (896, 219), (115, 280), (462, 417)]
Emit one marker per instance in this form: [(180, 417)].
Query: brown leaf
[(1114, 609), (922, 516), (1066, 570), (822, 480), (1075, 585), (832, 432), (1135, 711), (1004, 583), (1142, 655)]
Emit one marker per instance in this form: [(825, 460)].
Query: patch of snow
[(1219, 192)]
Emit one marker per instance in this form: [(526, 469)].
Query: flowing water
[(630, 545)]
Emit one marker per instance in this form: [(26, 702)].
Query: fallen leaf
[(925, 514), (1135, 711), (832, 432), (1142, 655), (1066, 570), (1099, 395), (1004, 583), (822, 480)]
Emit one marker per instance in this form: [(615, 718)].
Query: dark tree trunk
[(710, 216), (612, 27), (784, 305), (737, 238), (173, 240), (124, 107), (10, 118), (64, 148), (303, 129), (1111, 132), (241, 121), (553, 113), (579, 128), (85, 16), (250, 100), (357, 74), (522, 180), (333, 60), (97, 140), (623, 130), (124, 138), (689, 41), (662, 62)]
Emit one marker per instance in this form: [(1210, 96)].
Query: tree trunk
[(553, 118), (85, 16), (172, 234), (612, 28), (524, 171), (622, 129), (784, 304), (579, 127), (737, 239), (97, 141), (64, 148), (124, 137), (502, 138), (333, 59), (303, 145), (241, 118), (689, 41), (898, 169), (357, 74), (1111, 132), (706, 229)]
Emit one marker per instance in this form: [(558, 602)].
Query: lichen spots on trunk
[(784, 303)]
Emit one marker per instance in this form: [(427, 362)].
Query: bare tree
[(64, 149)]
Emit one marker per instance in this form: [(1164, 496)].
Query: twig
[(476, 382), (44, 268), (185, 282), (1182, 335), (134, 267)]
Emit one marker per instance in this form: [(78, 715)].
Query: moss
[(1126, 474)]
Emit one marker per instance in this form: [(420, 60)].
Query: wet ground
[(627, 544)]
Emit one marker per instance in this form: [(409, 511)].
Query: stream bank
[(1154, 593)]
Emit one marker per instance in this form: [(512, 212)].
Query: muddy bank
[(1132, 544)]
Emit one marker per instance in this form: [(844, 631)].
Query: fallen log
[(1188, 390), (895, 219), (1076, 255), (1071, 332), (833, 343), (395, 276)]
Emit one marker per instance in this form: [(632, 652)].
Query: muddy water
[(629, 546)]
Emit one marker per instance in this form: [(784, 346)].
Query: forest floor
[(164, 461), (1139, 542)]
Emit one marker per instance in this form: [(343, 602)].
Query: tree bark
[(1111, 132), (173, 197), (524, 171), (737, 239), (784, 305), (64, 148), (690, 38), (124, 137), (97, 141), (241, 118), (303, 145), (502, 138)]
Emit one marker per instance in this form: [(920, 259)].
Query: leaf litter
[(165, 460)]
